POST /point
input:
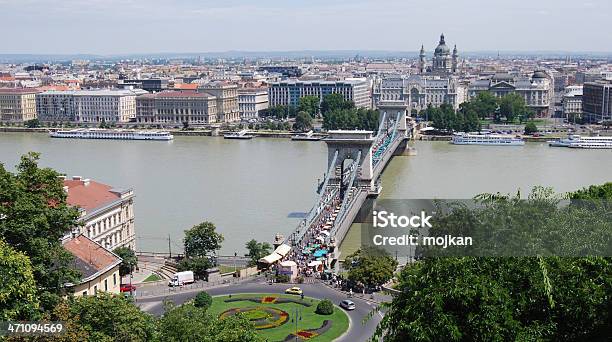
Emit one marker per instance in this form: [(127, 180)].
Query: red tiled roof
[(90, 257), (90, 196), (186, 86)]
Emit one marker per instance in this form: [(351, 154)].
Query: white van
[(181, 278)]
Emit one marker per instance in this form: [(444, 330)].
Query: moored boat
[(120, 134), (486, 139)]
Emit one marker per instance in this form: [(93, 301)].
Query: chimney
[(86, 181), (77, 178)]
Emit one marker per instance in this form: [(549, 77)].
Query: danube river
[(256, 188)]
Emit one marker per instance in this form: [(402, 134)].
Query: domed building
[(443, 62)]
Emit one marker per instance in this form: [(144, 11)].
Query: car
[(127, 288), (294, 290), (347, 304)]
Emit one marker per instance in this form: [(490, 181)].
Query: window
[(114, 279), (84, 293), (95, 289), (105, 284)]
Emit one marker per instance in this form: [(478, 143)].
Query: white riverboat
[(242, 135), (577, 141), (486, 139), (308, 136), (120, 134)]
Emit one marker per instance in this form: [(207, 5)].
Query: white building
[(572, 102), (107, 214), (418, 91), (88, 106), (251, 101), (537, 90)]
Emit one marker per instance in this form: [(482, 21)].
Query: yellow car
[(294, 290)]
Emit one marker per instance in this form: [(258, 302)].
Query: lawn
[(309, 319), (228, 269), (152, 277)]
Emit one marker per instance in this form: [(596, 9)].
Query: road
[(357, 330)]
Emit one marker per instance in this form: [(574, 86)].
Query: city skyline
[(113, 27)]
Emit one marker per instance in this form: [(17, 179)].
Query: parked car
[(347, 304), (181, 278), (294, 290), (127, 288)]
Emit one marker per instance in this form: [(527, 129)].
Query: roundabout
[(283, 317)]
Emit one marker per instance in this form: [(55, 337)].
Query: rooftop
[(177, 94), (88, 194), (89, 257)]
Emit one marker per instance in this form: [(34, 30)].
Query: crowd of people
[(315, 242)]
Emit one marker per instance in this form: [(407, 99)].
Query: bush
[(282, 278), (299, 280), (531, 128), (325, 307), (202, 300)]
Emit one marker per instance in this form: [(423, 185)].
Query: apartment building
[(251, 101), (107, 214), (17, 104), (88, 106), (176, 108), (226, 95)]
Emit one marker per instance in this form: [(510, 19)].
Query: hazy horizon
[(145, 27)]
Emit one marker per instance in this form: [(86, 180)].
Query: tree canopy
[(201, 240), (370, 266), (485, 298), (129, 260), (257, 250), (18, 289), (309, 104), (190, 323), (334, 102), (36, 217), (351, 118), (303, 122)]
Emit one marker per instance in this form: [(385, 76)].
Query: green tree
[(485, 104), (202, 300), (106, 317), (199, 266), (33, 123), (531, 128), (190, 323), (36, 217), (512, 106), (129, 260), (303, 122), (257, 250), (103, 124), (594, 192), (309, 104), (513, 298), (333, 102), (18, 299), (201, 240), (370, 266)]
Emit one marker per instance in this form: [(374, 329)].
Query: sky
[(109, 27)]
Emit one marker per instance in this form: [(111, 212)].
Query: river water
[(256, 188)]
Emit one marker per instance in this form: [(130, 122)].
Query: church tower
[(422, 60), (442, 58), (455, 59)]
